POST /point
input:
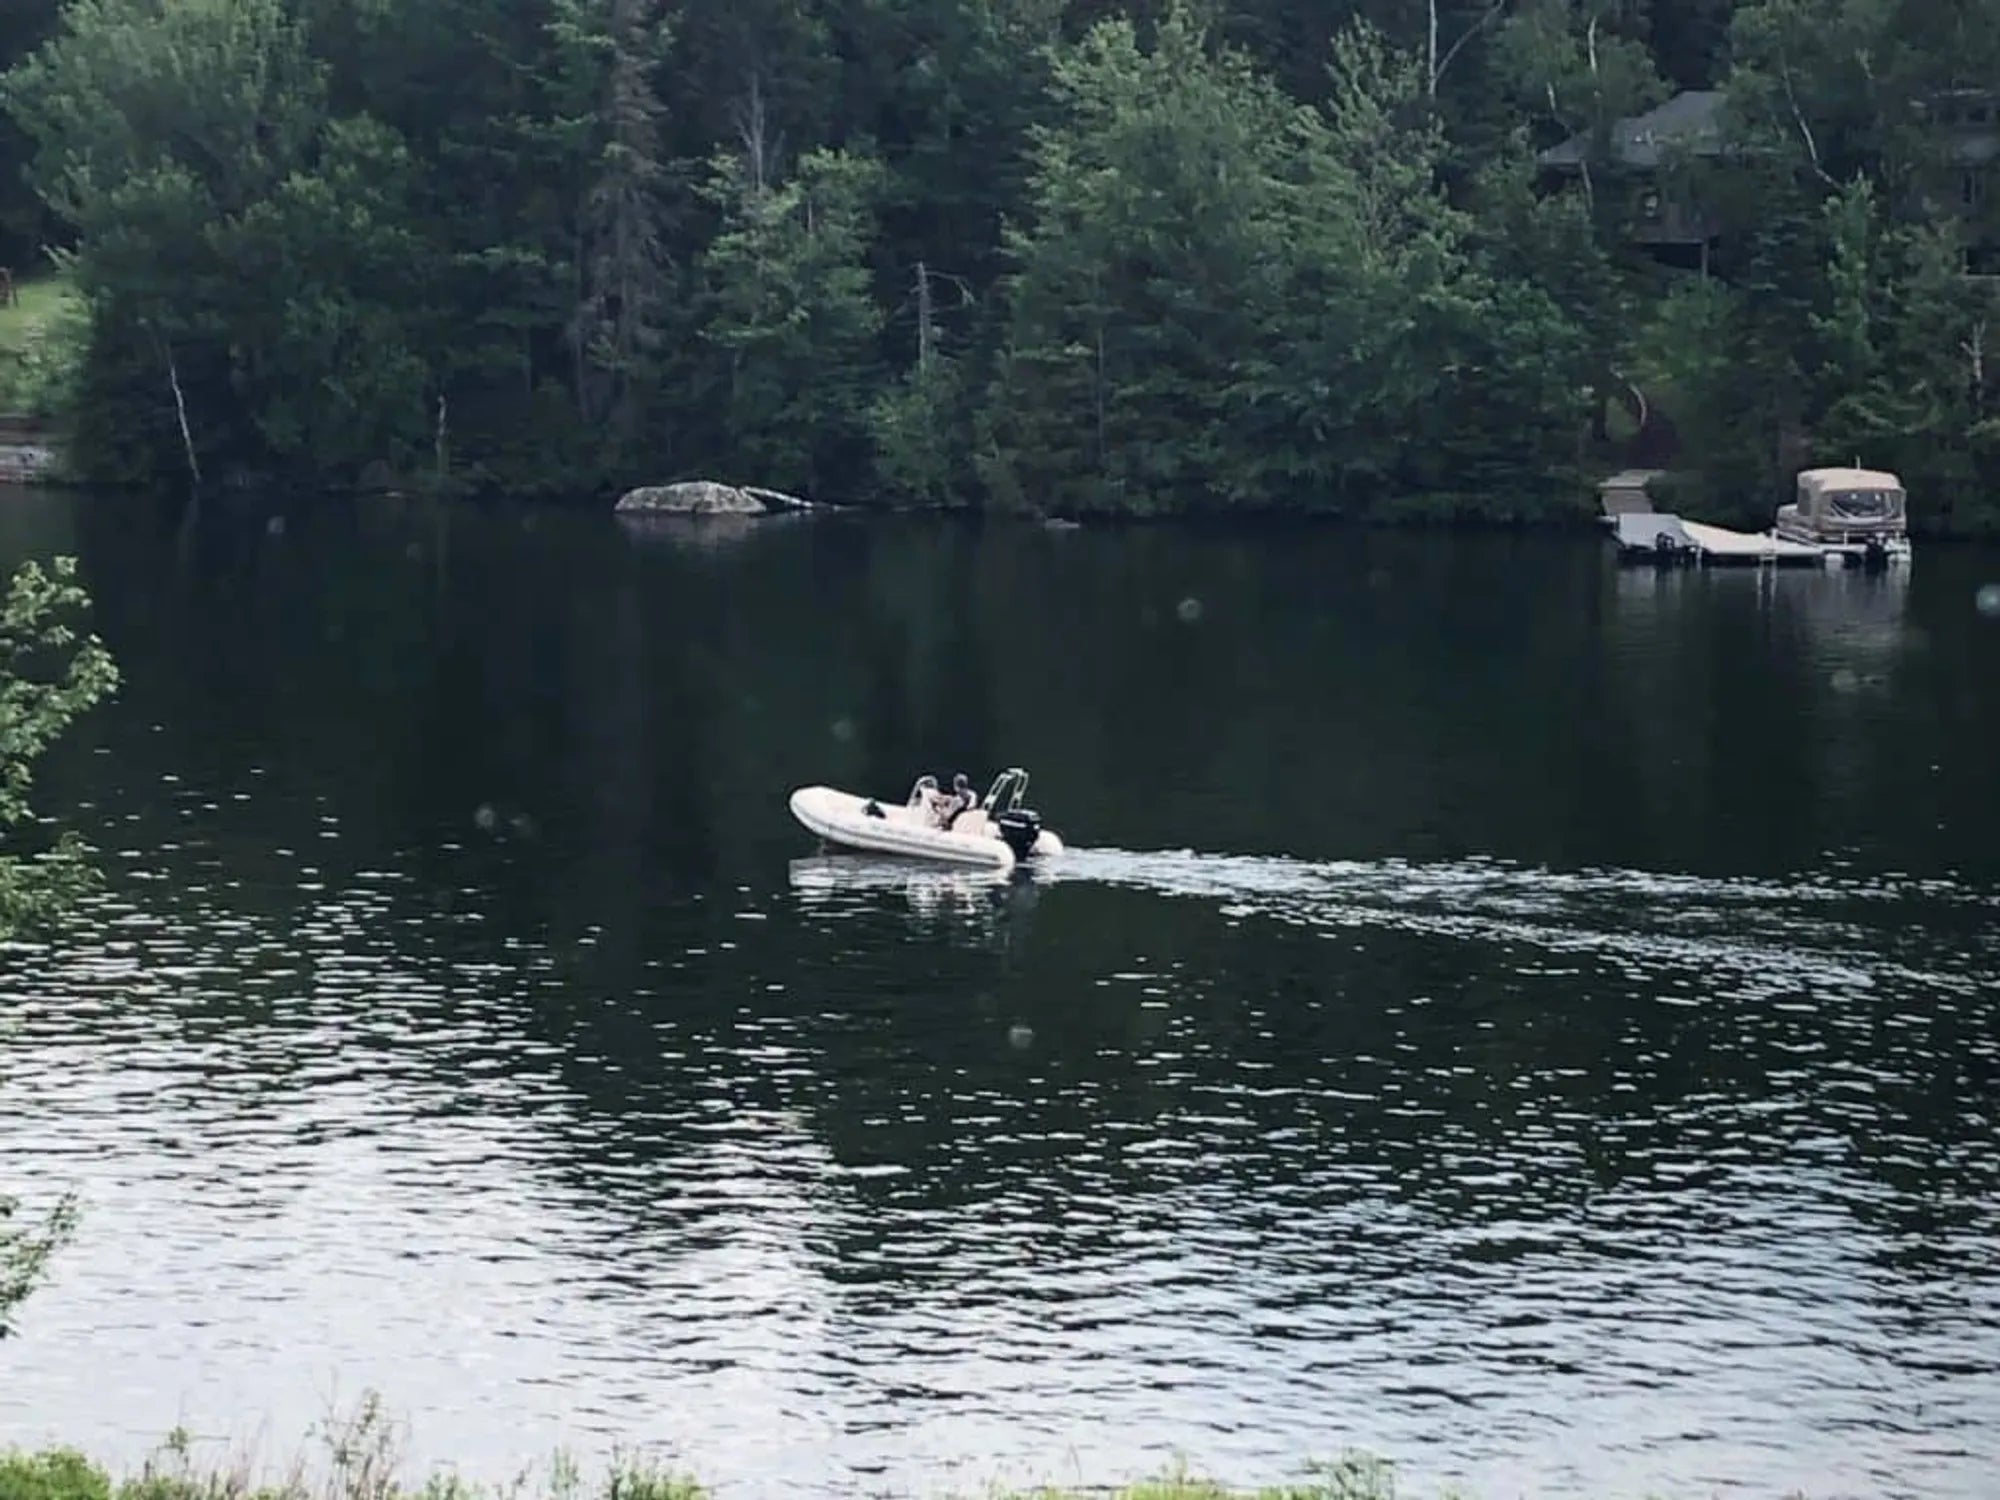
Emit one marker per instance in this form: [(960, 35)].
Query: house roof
[(1689, 120)]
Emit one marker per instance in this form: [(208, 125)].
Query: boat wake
[(1814, 932)]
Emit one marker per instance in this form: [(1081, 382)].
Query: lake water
[(1528, 1019)]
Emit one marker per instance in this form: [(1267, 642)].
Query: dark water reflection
[(1535, 1021)]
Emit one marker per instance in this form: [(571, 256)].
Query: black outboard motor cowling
[(1020, 828)]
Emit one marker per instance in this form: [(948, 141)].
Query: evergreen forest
[(1397, 259)]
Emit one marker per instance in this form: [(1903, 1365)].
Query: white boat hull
[(1895, 550), (842, 818)]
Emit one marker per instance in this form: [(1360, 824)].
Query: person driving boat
[(941, 809), (962, 799)]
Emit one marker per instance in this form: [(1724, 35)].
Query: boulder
[(694, 497)]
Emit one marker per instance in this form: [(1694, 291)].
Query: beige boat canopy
[(1850, 494)]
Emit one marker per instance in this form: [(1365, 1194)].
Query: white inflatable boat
[(995, 833)]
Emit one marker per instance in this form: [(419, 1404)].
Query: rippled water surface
[(1537, 1022)]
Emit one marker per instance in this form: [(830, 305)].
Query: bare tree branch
[(1439, 64), (1805, 130)]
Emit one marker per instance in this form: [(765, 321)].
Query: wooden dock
[(1625, 493), (26, 452), (1670, 540), (1718, 544)]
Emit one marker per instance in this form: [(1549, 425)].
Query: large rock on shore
[(695, 497), (705, 497)]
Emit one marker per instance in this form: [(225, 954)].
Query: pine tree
[(789, 308)]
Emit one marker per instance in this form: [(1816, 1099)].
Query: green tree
[(1226, 298), (1380, 249), (50, 674), (1148, 260), (1855, 86), (330, 374), (1901, 348), (944, 92), (246, 249), (24, 221), (616, 47), (1113, 254), (1689, 40), (921, 424), (789, 309), (1846, 326), (1551, 241), (759, 78), (1945, 327), (1579, 64), (503, 158)]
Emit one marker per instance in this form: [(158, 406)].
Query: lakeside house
[(1967, 122), (1644, 158), (1664, 213)]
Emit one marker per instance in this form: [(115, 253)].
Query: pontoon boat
[(1852, 515)]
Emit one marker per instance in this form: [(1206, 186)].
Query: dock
[(1843, 518), (26, 454), (1654, 537), (1626, 492)]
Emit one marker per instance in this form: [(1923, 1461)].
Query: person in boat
[(940, 809), (962, 799)]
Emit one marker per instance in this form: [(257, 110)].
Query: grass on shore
[(361, 1460), (63, 1474), (41, 340)]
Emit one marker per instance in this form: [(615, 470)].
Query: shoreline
[(360, 1460), (36, 462), (1241, 523)]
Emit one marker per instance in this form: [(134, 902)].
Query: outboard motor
[(1020, 828)]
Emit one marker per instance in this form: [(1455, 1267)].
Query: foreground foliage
[(25, 1250), (359, 1464), (1037, 254), (50, 673)]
